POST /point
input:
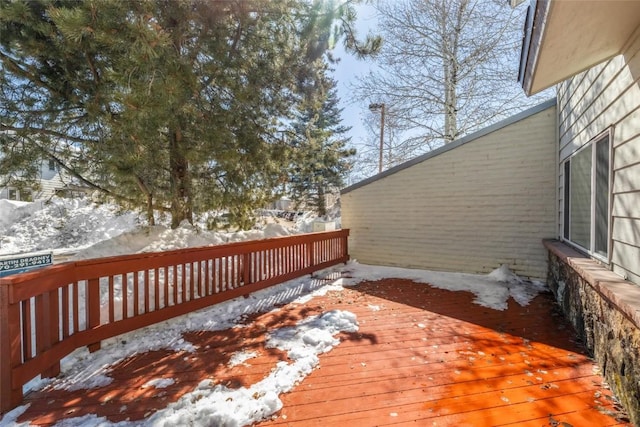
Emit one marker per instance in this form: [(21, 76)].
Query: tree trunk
[(145, 190), (451, 110), (451, 70), (181, 203), (150, 218), (321, 205)]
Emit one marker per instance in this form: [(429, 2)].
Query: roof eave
[(531, 43)]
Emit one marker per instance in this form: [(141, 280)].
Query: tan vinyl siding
[(608, 97), (484, 203)]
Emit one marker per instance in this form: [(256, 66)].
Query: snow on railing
[(48, 313)]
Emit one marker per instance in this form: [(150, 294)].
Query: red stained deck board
[(425, 357)]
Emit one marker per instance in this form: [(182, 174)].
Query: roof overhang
[(565, 37)]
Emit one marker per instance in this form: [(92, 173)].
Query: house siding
[(608, 97), (48, 187), (50, 182), (486, 202)]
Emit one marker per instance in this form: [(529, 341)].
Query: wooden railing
[(48, 313)]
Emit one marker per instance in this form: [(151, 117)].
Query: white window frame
[(566, 227)]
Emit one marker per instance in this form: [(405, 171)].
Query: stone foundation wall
[(605, 311)]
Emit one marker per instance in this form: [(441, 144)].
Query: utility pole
[(379, 107)]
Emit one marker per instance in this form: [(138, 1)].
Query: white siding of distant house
[(486, 202), (605, 96), (50, 182)]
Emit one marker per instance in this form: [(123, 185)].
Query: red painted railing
[(48, 313)]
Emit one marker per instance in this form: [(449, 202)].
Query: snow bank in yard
[(12, 211), (492, 290), (93, 230), (60, 225), (160, 238)]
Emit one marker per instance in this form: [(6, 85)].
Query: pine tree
[(171, 106), (320, 156)]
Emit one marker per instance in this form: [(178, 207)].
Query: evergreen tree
[(163, 105), (320, 158)]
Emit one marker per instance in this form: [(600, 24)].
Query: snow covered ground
[(91, 230)]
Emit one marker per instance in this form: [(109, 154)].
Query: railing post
[(93, 309), (246, 269), (345, 246), (9, 350), (312, 256), (5, 351)]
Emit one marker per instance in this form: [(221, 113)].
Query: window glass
[(580, 211), (601, 197), (567, 197)]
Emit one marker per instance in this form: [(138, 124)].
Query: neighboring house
[(51, 181), (484, 200)]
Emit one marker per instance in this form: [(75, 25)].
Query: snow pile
[(503, 274), (304, 222), (160, 238), (313, 336), (218, 405), (12, 211), (92, 230), (60, 225), (492, 290)]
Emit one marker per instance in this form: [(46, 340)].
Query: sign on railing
[(13, 264)]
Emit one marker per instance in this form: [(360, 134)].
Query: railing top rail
[(228, 247)]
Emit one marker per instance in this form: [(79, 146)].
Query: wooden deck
[(422, 356)]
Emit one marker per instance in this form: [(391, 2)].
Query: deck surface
[(422, 357)]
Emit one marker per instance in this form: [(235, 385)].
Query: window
[(52, 165), (586, 198)]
